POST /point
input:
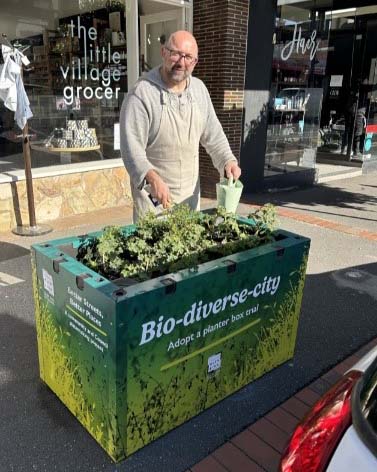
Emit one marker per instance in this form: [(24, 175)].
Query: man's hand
[(159, 189), (232, 169)]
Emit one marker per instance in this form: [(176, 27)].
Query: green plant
[(180, 238)]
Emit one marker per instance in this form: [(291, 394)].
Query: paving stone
[(258, 450), (209, 464), (308, 396), (270, 433), (332, 376), (295, 407), (235, 460), (320, 386), (283, 420), (345, 365)]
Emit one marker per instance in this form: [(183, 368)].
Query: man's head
[(179, 55)]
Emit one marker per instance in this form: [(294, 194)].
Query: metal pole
[(28, 176), (32, 229)]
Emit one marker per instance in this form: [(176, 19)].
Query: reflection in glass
[(298, 70), (75, 82)]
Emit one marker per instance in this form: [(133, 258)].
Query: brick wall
[(220, 27)]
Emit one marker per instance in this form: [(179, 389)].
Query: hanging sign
[(336, 81)]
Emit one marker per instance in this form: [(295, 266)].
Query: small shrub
[(180, 238)]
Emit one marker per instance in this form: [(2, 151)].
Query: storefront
[(84, 54), (83, 57), (291, 82), (311, 97)]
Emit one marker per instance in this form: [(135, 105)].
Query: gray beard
[(176, 77)]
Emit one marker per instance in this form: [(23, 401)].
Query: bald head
[(182, 40), (180, 55)]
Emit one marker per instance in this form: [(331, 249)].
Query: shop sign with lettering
[(301, 45), (105, 71)]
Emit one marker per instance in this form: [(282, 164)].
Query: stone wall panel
[(64, 195)]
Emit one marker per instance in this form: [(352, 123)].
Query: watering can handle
[(230, 181)]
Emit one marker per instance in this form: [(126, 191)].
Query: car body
[(339, 433)]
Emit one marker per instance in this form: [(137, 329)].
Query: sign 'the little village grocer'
[(81, 68)]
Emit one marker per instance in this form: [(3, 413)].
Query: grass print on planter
[(133, 363)]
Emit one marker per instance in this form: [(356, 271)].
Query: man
[(349, 122), (359, 135), (162, 121)]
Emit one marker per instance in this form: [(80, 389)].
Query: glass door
[(340, 92), (155, 29), (349, 112), (367, 143)]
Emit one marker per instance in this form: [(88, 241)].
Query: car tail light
[(317, 435)]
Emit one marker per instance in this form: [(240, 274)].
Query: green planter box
[(132, 363)]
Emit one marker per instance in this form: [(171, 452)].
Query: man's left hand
[(232, 169)]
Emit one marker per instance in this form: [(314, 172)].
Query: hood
[(154, 77)]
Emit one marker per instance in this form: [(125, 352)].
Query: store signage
[(79, 69), (336, 81), (334, 92), (199, 311), (301, 45)]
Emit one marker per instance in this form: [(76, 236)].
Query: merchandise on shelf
[(76, 135)]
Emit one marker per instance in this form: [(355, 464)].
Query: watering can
[(228, 194)]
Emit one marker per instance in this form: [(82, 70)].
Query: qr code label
[(48, 282), (214, 363)]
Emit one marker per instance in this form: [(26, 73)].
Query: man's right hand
[(159, 189)]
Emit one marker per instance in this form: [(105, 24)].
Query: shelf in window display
[(65, 149), (74, 149), (291, 110)]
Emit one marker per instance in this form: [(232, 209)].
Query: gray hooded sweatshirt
[(191, 119)]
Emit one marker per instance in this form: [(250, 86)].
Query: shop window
[(349, 111), (298, 71), (76, 80)]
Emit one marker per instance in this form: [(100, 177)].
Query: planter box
[(132, 363)]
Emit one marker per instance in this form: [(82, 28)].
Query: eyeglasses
[(177, 56)]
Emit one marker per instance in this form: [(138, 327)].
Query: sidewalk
[(345, 206)]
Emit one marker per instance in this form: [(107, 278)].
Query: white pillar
[(132, 35)]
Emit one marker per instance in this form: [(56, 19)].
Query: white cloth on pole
[(8, 74), (23, 112), (12, 90)]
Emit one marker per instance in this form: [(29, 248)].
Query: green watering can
[(228, 194)]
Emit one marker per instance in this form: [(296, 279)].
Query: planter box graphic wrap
[(132, 363)]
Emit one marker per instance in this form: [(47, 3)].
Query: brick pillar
[(220, 28)]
